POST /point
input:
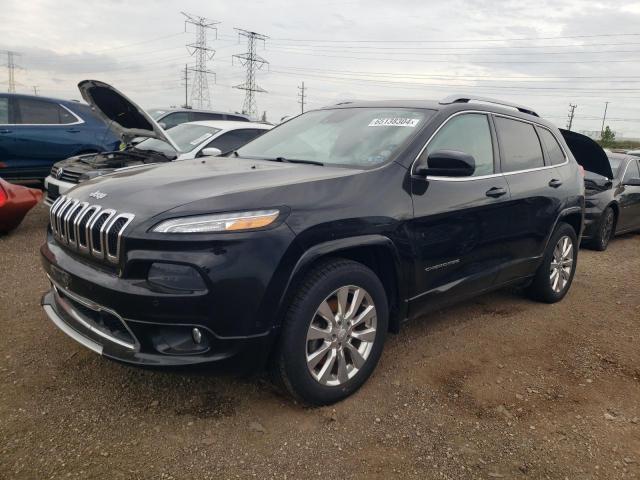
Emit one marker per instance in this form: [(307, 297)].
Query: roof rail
[(472, 98)]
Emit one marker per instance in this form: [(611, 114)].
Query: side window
[(552, 147), (38, 112), (233, 140), (519, 145), (66, 117), (174, 119), (197, 116), (468, 133), (236, 118), (4, 110), (632, 171)]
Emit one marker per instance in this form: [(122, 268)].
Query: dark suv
[(307, 245)]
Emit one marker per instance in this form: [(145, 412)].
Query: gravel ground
[(498, 387)]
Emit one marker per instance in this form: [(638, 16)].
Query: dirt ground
[(497, 387)]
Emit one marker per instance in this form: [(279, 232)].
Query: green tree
[(608, 137)]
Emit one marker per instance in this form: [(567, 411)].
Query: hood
[(150, 190), (123, 116), (588, 153)]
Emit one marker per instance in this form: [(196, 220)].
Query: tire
[(315, 343), (544, 287), (607, 223)]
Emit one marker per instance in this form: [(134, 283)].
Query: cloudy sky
[(544, 54)]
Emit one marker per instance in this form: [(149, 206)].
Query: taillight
[(3, 197)]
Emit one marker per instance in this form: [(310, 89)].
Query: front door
[(629, 199), (458, 223)]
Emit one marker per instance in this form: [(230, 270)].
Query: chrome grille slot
[(69, 176), (89, 229)]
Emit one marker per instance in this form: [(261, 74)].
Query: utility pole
[(11, 69), (202, 52), (252, 62), (572, 109), (604, 117), (35, 90), (301, 96), (185, 79)]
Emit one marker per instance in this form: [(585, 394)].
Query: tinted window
[(230, 141), (632, 171), (186, 136), (470, 134), (197, 116), (4, 110), (519, 145), (236, 118), (174, 119), (41, 112), (615, 163), (552, 147)]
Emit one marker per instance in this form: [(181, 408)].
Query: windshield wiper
[(294, 160)]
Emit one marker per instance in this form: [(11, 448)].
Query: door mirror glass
[(211, 152), (446, 163)]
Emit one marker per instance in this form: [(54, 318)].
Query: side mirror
[(632, 182), (446, 163), (211, 152)]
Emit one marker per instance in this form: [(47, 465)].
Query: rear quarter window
[(555, 154), (520, 147)]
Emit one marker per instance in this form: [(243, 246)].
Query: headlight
[(225, 222)]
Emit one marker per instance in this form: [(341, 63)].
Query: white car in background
[(182, 142), (190, 140)]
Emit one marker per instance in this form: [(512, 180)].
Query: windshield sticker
[(201, 139), (394, 122)]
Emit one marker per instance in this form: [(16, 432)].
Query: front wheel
[(333, 333), (555, 274)]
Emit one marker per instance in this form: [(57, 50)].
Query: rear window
[(632, 171), (40, 112), (519, 145), (552, 147)]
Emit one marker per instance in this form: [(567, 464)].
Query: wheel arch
[(377, 252)]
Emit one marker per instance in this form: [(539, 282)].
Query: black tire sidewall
[(601, 241), (296, 375)]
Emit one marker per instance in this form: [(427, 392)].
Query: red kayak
[(15, 202)]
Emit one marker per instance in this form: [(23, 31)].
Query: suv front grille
[(65, 175), (88, 229)]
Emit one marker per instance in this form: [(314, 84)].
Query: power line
[(252, 62), (200, 87), (565, 37)]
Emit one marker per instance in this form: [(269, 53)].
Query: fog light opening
[(196, 334)]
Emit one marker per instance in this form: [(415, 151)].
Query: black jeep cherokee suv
[(305, 247)]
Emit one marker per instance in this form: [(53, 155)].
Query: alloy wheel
[(561, 264), (607, 228), (341, 335)]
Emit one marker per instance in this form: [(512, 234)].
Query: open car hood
[(122, 115), (588, 153)]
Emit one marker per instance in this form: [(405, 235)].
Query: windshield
[(156, 113), (615, 165), (358, 137), (186, 136)]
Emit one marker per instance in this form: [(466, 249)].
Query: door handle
[(5, 130), (73, 130), (496, 192), (555, 183)]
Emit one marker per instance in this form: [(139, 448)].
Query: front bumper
[(106, 333), (55, 188)]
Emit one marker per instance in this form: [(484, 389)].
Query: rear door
[(536, 195), (459, 223), (629, 199), (44, 132)]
